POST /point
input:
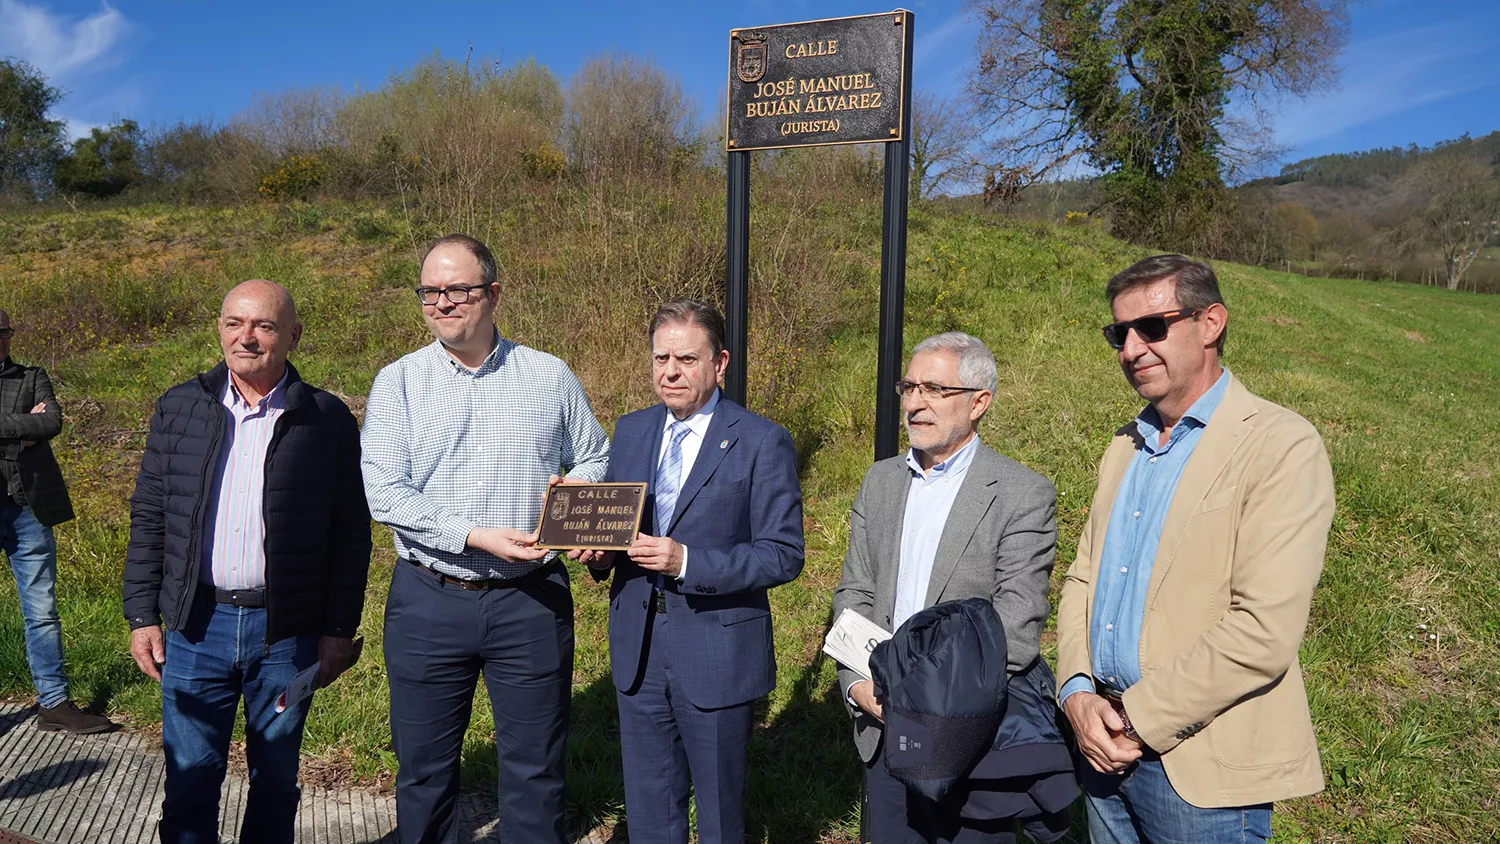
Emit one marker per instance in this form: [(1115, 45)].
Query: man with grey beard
[(951, 519)]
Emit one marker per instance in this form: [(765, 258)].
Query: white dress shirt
[(697, 425)]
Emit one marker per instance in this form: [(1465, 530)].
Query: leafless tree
[(942, 145), (1457, 211)]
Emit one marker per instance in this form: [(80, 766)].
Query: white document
[(851, 639), (300, 689)]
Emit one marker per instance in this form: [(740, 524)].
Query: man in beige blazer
[(1180, 618)]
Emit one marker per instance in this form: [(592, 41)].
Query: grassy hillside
[(1403, 382)]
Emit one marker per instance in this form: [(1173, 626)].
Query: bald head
[(265, 293), (258, 328)]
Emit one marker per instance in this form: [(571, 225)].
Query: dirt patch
[(1475, 472), (1416, 337)]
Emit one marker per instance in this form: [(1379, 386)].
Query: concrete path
[(57, 788)]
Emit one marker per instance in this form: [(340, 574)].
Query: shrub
[(298, 177), (544, 162)]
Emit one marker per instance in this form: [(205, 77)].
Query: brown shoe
[(67, 716)]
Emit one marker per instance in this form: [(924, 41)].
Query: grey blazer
[(999, 543)]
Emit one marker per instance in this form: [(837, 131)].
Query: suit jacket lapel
[(650, 455), (710, 454), (974, 499), (1226, 429), (889, 512)]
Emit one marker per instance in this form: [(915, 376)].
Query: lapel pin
[(723, 443)]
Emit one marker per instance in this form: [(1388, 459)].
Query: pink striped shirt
[(237, 549)]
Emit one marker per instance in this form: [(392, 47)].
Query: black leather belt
[(481, 585), (244, 598)]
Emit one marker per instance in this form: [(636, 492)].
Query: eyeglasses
[(5, 333), (458, 294), (1152, 328), (929, 390)]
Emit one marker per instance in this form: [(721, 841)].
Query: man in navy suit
[(689, 622)]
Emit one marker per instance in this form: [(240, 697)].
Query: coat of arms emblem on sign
[(750, 61), (559, 506)]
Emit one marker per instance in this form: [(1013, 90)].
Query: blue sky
[(1415, 71)]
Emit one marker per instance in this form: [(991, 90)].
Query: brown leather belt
[(477, 585), (1114, 697)]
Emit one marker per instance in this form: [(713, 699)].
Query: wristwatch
[(1129, 727)]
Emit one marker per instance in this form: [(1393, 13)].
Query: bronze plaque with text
[(600, 517), (836, 81)]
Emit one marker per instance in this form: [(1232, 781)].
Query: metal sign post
[(893, 276), (737, 276)]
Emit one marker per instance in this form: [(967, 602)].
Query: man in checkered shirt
[(460, 440)]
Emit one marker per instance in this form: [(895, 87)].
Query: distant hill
[(1365, 184), (1347, 215)]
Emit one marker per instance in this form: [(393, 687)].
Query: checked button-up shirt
[(447, 449)]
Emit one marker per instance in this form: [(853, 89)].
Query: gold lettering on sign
[(843, 102), (842, 82), (812, 49), (773, 109), (784, 88), (804, 127)]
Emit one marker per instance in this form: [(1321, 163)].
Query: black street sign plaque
[(836, 81), (601, 517)]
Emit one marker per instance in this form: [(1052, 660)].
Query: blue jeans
[(1142, 806), (218, 657), (32, 552)]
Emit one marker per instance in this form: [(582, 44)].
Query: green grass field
[(1403, 382)]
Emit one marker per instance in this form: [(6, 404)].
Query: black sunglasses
[(1152, 328), (5, 333)]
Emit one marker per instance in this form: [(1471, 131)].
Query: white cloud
[(79, 128), (60, 46), (931, 41)]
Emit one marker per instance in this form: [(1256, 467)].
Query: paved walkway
[(57, 788)]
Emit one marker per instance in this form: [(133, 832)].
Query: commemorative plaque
[(836, 81), (594, 517)]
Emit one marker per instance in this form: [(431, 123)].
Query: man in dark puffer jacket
[(250, 545)]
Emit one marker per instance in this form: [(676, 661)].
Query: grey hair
[(976, 364)]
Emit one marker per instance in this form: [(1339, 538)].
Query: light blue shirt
[(928, 500), (446, 449), (1131, 540)]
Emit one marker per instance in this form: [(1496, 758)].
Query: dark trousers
[(665, 741), (438, 638), (217, 658), (899, 817)]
